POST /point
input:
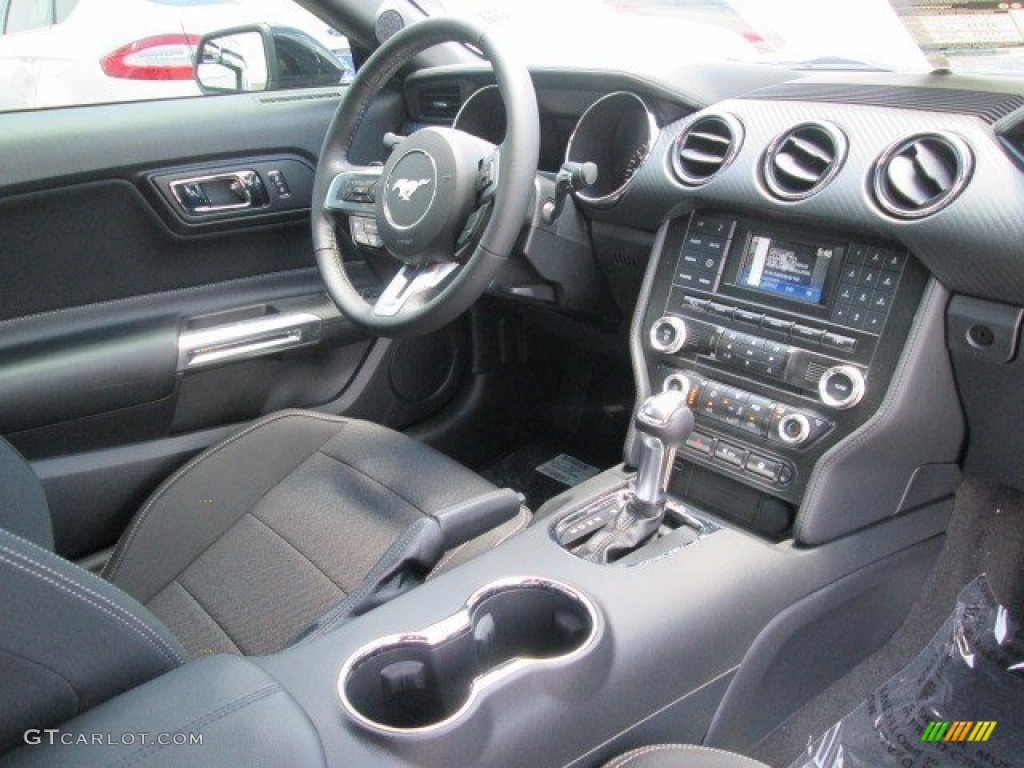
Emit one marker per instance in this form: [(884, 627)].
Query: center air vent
[(803, 160), (706, 147), (922, 174)]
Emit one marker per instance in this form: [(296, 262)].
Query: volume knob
[(668, 334), (841, 387)]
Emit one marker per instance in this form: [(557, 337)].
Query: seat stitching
[(206, 720), (202, 608), (118, 558), (387, 560), (524, 512), (378, 482), (164, 650), (304, 556), (119, 609), (258, 501)]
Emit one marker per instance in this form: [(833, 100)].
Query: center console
[(783, 340)]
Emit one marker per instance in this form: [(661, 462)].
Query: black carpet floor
[(986, 535)]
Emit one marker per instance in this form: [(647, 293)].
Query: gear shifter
[(663, 422)]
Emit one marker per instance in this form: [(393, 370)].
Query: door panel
[(103, 272)]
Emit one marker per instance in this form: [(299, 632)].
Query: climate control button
[(794, 429)]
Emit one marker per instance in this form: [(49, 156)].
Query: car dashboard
[(787, 235)]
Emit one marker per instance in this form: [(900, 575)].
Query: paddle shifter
[(662, 423)]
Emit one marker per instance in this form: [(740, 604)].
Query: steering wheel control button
[(668, 335), (841, 387), (364, 231)]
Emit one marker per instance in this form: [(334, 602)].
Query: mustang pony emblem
[(406, 188)]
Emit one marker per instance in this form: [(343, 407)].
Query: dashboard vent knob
[(706, 147), (920, 175), (803, 160)]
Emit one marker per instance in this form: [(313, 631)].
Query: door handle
[(220, 192), (246, 339)]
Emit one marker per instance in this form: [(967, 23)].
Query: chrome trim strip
[(410, 282), (248, 338), (652, 137), (839, 140), (965, 169), (738, 133)]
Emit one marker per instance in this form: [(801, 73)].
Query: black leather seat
[(681, 756), (239, 551)]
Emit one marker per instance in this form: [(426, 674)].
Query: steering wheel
[(447, 205)]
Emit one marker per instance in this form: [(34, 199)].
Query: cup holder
[(416, 682)]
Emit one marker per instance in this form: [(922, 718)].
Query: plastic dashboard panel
[(972, 246)]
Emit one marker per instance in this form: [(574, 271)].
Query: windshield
[(903, 35)]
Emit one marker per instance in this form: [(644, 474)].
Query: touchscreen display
[(785, 268)]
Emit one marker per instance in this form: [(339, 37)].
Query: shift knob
[(663, 422)]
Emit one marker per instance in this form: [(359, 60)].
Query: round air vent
[(706, 147), (922, 174), (803, 160)]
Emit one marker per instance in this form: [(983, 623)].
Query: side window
[(24, 15), (56, 53)]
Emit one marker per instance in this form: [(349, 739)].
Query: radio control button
[(895, 261), (841, 314), (730, 454), (876, 257), (846, 293), (806, 333), (862, 297), (776, 324), (839, 343), (745, 316), (711, 225), (850, 274), (714, 245), (880, 301), (725, 310), (873, 322), (668, 335), (869, 277), (705, 282), (888, 282), (841, 387), (857, 254)]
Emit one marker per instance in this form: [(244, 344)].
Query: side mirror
[(260, 57)]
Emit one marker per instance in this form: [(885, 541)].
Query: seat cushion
[(681, 756), (254, 539)]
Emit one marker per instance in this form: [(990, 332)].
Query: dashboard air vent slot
[(706, 147), (803, 160), (440, 102), (920, 175)]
